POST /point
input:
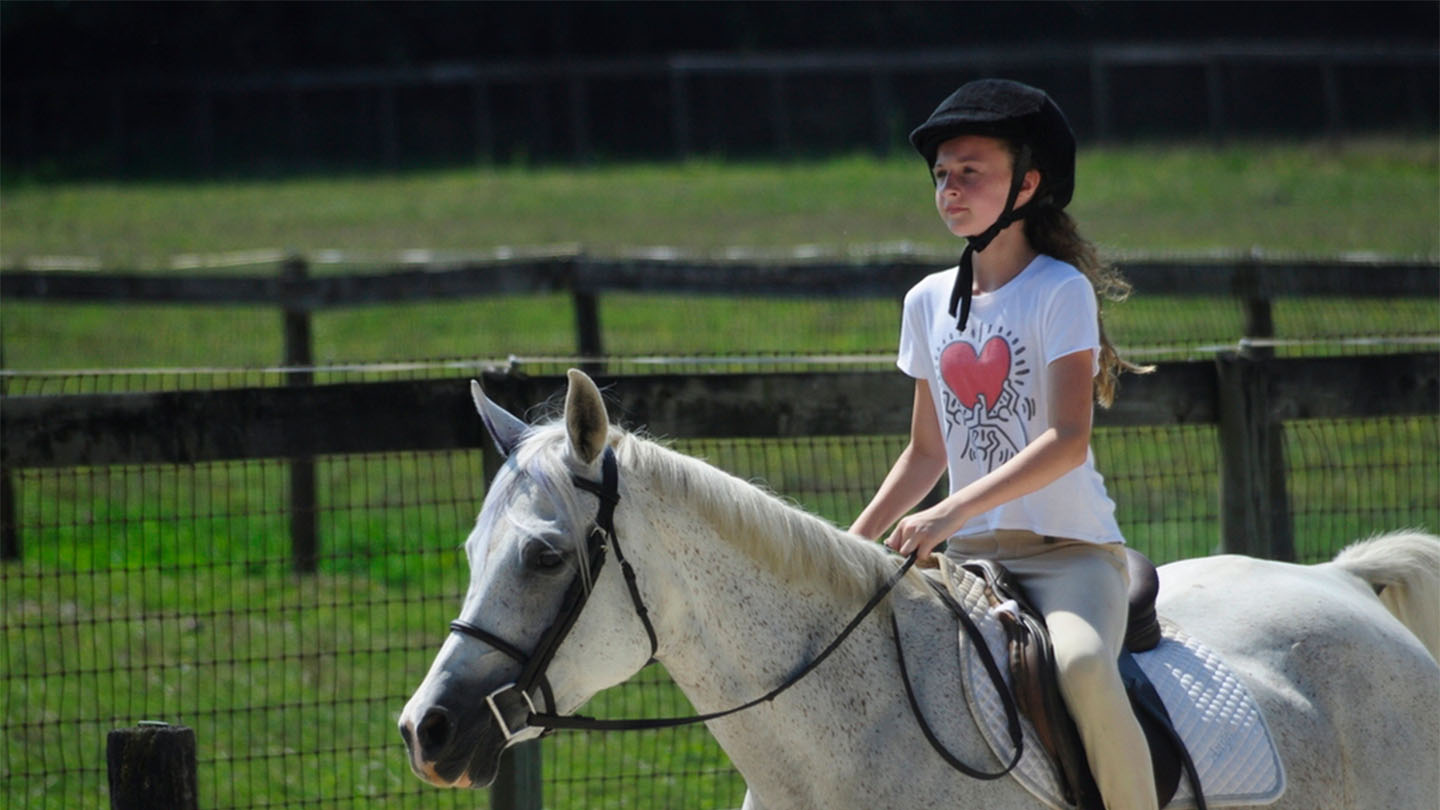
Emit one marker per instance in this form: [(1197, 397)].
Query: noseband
[(514, 697)]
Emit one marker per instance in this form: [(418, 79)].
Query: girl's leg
[(1081, 589)]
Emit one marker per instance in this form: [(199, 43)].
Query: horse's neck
[(731, 630), (727, 623), (730, 619), (741, 625)]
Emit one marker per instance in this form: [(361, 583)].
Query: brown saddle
[(1037, 690)]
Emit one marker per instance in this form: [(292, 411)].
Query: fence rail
[(1246, 395), (1261, 276), (1257, 281)]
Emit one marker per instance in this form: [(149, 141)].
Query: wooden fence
[(1256, 281), (1247, 395)]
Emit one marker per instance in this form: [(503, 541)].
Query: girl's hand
[(924, 530)]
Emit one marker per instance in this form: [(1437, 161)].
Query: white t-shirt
[(989, 389)]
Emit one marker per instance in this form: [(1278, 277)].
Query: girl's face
[(972, 180)]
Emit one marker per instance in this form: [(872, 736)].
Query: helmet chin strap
[(965, 279)]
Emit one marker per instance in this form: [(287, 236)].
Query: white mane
[(787, 540)]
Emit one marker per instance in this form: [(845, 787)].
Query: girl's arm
[(914, 473), (1053, 453)]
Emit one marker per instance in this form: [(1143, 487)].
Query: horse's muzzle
[(452, 749)]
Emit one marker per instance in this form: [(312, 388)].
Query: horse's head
[(545, 624)]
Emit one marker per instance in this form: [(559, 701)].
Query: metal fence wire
[(166, 592)]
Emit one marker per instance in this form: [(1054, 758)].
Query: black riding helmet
[(1023, 115)]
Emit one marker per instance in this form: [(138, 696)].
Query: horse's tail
[(1404, 569)]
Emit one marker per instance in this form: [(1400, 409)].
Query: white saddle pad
[(1214, 713)]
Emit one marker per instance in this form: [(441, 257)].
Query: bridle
[(600, 538), (514, 697)]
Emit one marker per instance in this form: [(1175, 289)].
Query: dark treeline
[(133, 89), (48, 39)]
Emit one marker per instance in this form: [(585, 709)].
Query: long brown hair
[(1053, 232)]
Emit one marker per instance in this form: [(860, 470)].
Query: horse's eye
[(541, 556)]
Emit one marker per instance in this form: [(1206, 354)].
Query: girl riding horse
[(1003, 391)]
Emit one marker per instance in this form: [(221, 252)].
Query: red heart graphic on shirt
[(969, 376)]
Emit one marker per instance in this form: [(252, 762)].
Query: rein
[(514, 697)]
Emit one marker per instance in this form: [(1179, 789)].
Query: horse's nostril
[(434, 730)]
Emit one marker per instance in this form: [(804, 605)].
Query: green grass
[(291, 684), (1314, 198)]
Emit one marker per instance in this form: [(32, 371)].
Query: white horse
[(743, 589)]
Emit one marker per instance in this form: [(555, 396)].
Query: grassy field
[(165, 592), (1377, 196), (1315, 198)]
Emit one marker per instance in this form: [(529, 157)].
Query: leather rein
[(514, 697)]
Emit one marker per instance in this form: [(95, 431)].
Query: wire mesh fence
[(1352, 478), (167, 592)]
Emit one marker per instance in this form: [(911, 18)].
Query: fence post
[(304, 545), (1254, 503), (587, 325), (587, 319), (679, 112), (117, 132), (1253, 291), (780, 114), (203, 141), (1334, 107), (389, 126), (882, 98), (1215, 99), (579, 117), (1100, 95), (484, 126), (517, 783), (296, 110), (152, 765), (9, 529)]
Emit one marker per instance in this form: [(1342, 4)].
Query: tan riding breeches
[(1080, 588)]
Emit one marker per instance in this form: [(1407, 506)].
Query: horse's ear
[(505, 430), (585, 418)]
